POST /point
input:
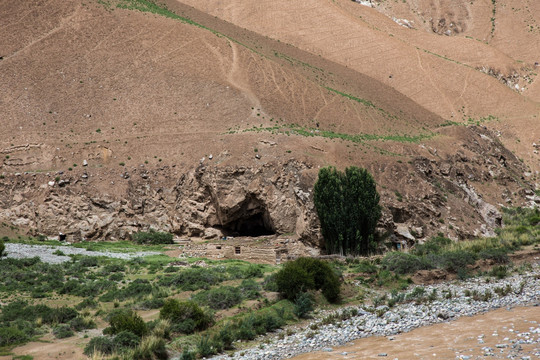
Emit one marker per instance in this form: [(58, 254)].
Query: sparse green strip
[(494, 12), (470, 121), (151, 7), (364, 102), (293, 129), (446, 58), (292, 61), (361, 101)]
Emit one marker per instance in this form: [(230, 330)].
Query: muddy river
[(499, 334)]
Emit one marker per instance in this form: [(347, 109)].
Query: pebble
[(45, 253), (411, 316)]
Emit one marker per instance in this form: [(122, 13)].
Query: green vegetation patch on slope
[(295, 129)]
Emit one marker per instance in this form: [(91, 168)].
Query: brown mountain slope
[(447, 75), (142, 98)]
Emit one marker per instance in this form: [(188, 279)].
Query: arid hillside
[(197, 116)]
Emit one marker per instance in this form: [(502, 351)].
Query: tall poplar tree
[(348, 207)]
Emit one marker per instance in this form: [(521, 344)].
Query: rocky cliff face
[(205, 202), (458, 193)]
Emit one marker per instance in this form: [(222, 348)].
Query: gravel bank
[(45, 253), (525, 290)]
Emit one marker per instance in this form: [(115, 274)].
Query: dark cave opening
[(254, 225)]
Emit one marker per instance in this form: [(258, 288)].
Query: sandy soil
[(441, 73), (446, 341)]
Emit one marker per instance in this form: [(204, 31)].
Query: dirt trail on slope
[(464, 337)]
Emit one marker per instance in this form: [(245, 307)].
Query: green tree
[(304, 274), (348, 207)]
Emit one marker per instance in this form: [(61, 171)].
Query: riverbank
[(444, 303)]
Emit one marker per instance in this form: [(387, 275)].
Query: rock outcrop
[(458, 194), (206, 202)]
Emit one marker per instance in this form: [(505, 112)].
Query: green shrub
[(116, 277), (188, 355), (432, 246), (270, 284), (404, 263), (2, 248), (11, 336), (150, 348), (452, 260), (137, 288), (303, 305), (113, 268), (59, 315), (500, 272), (20, 310), (245, 272), (348, 208), (126, 320), (62, 331), (126, 340), (498, 255), (100, 344), (219, 298), (225, 336), (245, 328), (89, 261), (151, 303), (305, 274), (80, 323), (152, 237), (293, 279), (249, 289), (186, 316), (194, 279), (365, 267)]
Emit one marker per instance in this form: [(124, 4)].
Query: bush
[(80, 323), (403, 263), (151, 303), (100, 344), (453, 260), (137, 288), (293, 279), (89, 261), (305, 274), (152, 237), (270, 284), (2, 248), (187, 316), (433, 246), (365, 267), (59, 315), (20, 310), (348, 208), (249, 289), (206, 347), (11, 336), (194, 279), (87, 303), (303, 305), (187, 355), (245, 272), (126, 320), (498, 255), (126, 340), (500, 272), (219, 298), (150, 348), (62, 331)]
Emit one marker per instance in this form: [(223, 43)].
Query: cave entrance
[(258, 224)]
